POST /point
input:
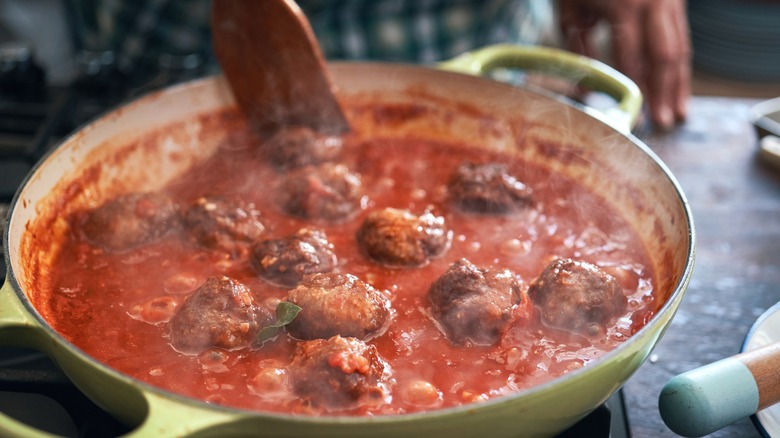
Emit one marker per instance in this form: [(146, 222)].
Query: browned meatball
[(297, 146), (338, 304), (473, 304), (285, 261), (329, 192), (338, 373), (220, 313), (128, 221), (577, 296), (398, 238), (488, 188), (228, 224)]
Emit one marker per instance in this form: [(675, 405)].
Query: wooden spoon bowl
[(271, 58)]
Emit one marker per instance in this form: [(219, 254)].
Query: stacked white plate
[(765, 331), (739, 39)]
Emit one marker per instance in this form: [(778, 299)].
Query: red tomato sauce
[(115, 306)]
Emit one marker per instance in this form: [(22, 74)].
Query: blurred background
[(736, 43), (736, 47)]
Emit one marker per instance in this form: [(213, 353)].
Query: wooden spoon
[(271, 58)]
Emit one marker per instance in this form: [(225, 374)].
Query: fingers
[(628, 43), (576, 25), (667, 71), (684, 64), (662, 77), (650, 45)]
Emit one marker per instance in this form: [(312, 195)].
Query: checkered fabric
[(423, 31), (138, 32)]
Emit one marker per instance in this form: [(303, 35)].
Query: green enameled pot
[(591, 147)]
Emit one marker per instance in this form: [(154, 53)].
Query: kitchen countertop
[(735, 200)]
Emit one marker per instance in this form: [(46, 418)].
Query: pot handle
[(170, 417), (18, 328), (165, 416), (555, 62)]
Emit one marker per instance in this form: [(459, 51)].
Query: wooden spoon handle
[(706, 399), (271, 58), (764, 364)]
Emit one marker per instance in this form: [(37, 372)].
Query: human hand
[(650, 44)]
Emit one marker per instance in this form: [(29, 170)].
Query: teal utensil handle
[(701, 401)]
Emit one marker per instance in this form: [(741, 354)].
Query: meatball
[(338, 304), (297, 146), (338, 373), (398, 238), (473, 304), (129, 221), (329, 192), (220, 313), (228, 224), (577, 296), (285, 261), (488, 188)]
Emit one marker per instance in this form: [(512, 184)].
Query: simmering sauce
[(117, 305)]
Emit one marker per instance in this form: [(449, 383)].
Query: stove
[(33, 118)]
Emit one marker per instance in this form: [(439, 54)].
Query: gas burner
[(28, 128), (20, 76), (30, 384)]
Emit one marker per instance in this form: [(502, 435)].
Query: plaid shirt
[(140, 33), (421, 30)]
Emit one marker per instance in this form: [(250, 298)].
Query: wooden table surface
[(735, 200)]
